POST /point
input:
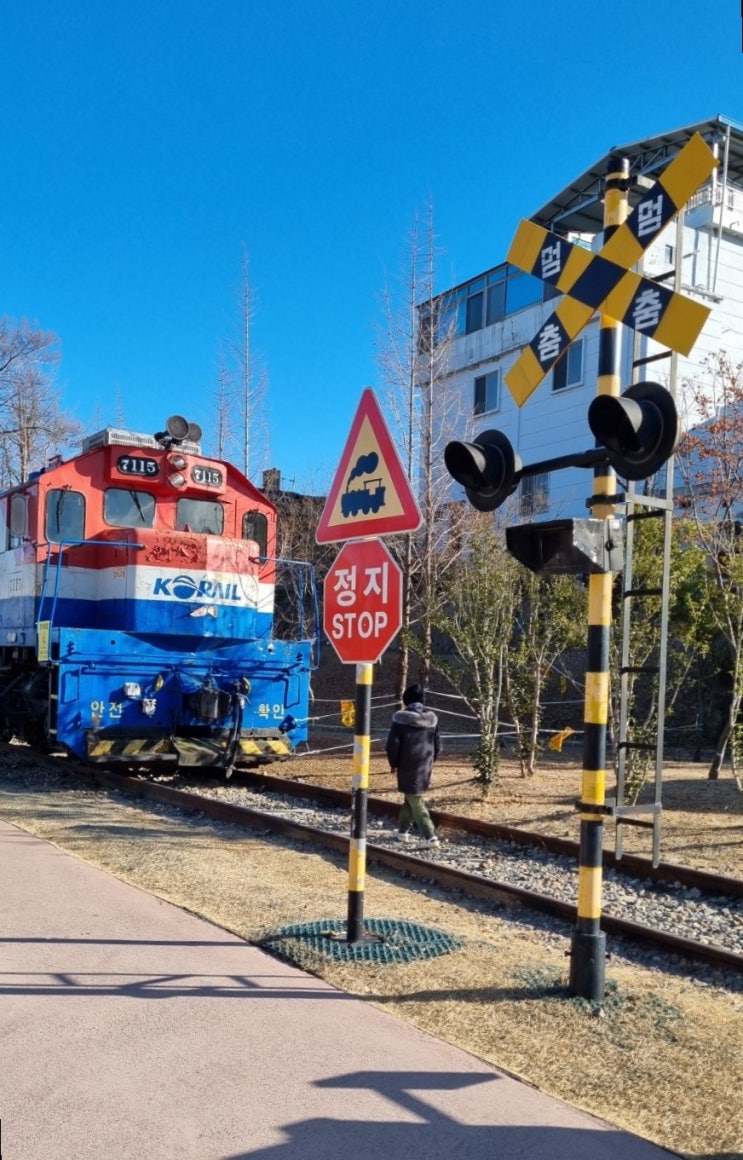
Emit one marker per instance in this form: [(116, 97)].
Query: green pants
[(415, 810)]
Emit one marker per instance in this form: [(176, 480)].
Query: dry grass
[(663, 1057)]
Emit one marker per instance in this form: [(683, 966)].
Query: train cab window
[(200, 515), (127, 508), (255, 527), (65, 515), (18, 528)]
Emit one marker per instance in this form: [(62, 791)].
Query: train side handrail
[(299, 564), (61, 545)]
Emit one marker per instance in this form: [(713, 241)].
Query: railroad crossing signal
[(636, 433), (604, 281), (362, 601), (370, 494), (488, 469), (640, 429)]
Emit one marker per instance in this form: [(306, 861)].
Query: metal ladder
[(640, 508), (627, 813)]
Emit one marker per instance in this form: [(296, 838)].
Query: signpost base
[(361, 938), (587, 966)]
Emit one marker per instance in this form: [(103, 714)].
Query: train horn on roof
[(178, 429)]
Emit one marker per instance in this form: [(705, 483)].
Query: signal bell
[(578, 546), (488, 469), (640, 430)]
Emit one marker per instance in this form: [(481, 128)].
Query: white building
[(494, 315)]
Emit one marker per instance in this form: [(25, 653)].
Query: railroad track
[(446, 876), (630, 864)]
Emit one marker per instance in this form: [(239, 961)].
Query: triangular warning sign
[(371, 494)]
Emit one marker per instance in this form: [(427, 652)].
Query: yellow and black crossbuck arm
[(604, 281)]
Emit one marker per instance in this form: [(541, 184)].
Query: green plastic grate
[(387, 941)]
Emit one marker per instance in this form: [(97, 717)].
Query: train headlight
[(177, 461), (132, 690), (177, 479), (149, 704), (158, 682)]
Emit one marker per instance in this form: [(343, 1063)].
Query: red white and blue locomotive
[(137, 585)]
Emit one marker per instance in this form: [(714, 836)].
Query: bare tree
[(549, 618), (242, 427), (710, 462), (690, 636), (414, 351), (32, 427), (476, 615), (221, 399), (301, 563)]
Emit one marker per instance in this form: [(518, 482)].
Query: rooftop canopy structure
[(579, 206)]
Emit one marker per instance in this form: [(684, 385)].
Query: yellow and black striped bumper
[(182, 751)]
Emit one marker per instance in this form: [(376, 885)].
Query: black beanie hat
[(412, 694)]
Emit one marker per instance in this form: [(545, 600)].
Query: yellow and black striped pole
[(588, 948), (359, 792)]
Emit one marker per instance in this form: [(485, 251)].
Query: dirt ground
[(662, 1056)]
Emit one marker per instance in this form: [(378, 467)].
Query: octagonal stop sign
[(362, 604)]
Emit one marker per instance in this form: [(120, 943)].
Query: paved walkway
[(131, 1030)]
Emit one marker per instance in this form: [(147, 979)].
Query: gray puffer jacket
[(413, 745)]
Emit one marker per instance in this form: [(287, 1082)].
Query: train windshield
[(127, 508), (65, 515), (200, 515)]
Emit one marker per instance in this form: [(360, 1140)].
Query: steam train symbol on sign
[(369, 496)]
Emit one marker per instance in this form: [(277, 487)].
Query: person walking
[(413, 744)]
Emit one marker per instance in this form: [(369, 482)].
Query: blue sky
[(147, 145)]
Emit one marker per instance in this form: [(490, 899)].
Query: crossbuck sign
[(604, 281)]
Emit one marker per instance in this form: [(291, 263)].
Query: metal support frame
[(660, 507)]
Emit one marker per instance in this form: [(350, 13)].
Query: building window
[(534, 494), (485, 300), (437, 322), (568, 372), (668, 254), (487, 393), (522, 290), (65, 515), (496, 300), (446, 319), (425, 331), (474, 307)]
